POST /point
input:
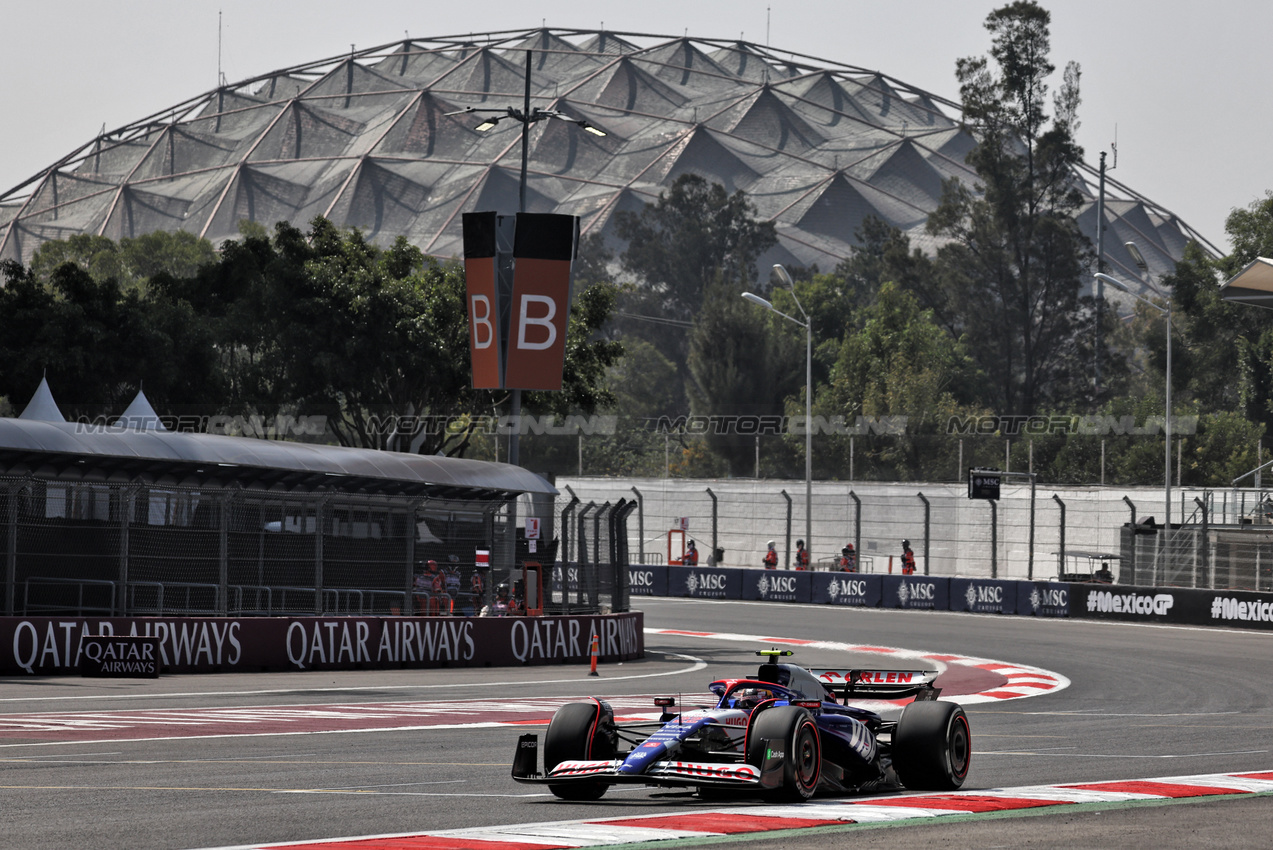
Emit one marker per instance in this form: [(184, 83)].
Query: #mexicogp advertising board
[(60, 645)]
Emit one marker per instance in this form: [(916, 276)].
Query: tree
[(131, 261), (304, 323), (883, 254), (377, 339), (1008, 276), (898, 364), (694, 235), (1214, 337), (741, 366), (97, 343)]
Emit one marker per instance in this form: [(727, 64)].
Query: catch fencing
[(106, 548), (1218, 538)]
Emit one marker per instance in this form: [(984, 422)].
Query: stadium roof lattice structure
[(365, 139)]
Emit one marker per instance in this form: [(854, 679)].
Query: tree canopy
[(1009, 273), (317, 323)]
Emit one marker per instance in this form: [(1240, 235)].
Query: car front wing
[(668, 772)]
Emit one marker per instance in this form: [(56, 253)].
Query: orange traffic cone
[(594, 651)]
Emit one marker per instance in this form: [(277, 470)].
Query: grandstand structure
[(372, 140), (135, 519)]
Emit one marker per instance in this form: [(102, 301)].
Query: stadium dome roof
[(366, 139)]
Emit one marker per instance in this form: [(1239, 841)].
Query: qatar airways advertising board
[(61, 645)]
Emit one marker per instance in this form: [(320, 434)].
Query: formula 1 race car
[(786, 734)]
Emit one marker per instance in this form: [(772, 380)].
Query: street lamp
[(525, 116), (1166, 311), (807, 324)]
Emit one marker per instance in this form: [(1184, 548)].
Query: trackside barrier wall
[(1181, 606), (52, 645)]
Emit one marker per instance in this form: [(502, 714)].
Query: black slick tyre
[(577, 732), (796, 732), (932, 746)]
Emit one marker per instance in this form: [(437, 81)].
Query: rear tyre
[(578, 730), (932, 746), (796, 731)]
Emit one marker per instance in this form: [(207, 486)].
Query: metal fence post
[(994, 539), (1133, 547), (857, 527), (788, 498), (318, 555), (567, 514), (1206, 548), (596, 532), (621, 597), (1060, 556), (408, 584), (223, 556), (927, 526), (712, 555), (124, 517), (1029, 570), (581, 529), (640, 509), (583, 595), (11, 552)]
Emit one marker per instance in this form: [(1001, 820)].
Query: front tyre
[(795, 730), (578, 731), (932, 746)]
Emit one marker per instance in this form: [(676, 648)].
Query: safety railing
[(68, 595)]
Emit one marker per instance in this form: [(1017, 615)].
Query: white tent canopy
[(140, 415), (42, 407), (1253, 285)]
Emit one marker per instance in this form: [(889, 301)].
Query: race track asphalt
[(240, 759)]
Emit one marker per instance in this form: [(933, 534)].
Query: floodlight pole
[(526, 117), (807, 324), (515, 403), (1118, 284)]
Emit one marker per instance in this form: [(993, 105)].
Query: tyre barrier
[(1172, 605)]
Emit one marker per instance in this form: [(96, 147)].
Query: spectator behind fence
[(908, 559)]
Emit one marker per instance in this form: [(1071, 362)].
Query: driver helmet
[(751, 697)]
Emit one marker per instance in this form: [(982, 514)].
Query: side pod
[(526, 759)]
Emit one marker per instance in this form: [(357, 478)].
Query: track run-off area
[(1096, 729)]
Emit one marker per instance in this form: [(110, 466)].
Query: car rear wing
[(880, 684)]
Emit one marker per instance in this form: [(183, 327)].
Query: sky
[(1176, 84)]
